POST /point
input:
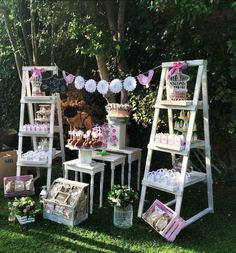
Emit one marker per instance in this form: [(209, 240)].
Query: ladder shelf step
[(37, 134), (38, 99), (195, 177), (178, 105), (179, 150)]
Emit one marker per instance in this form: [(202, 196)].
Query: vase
[(24, 219), (123, 216)]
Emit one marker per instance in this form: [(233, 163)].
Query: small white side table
[(115, 160), (134, 154), (91, 169)]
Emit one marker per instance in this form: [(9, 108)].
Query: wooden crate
[(24, 219), (57, 207), (22, 193), (175, 224)]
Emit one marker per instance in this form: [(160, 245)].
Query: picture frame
[(61, 197)]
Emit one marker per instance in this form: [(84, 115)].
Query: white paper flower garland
[(90, 86), (79, 82), (116, 86), (130, 83), (103, 87)]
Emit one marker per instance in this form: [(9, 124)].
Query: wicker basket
[(177, 87)]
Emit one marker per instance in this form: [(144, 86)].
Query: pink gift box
[(164, 139)]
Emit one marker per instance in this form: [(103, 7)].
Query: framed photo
[(61, 197)]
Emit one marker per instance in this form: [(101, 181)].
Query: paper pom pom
[(116, 86), (103, 87), (130, 83), (90, 85), (79, 82)]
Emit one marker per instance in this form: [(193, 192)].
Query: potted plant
[(122, 198), (24, 209)]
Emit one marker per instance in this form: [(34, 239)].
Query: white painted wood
[(207, 139), (90, 169), (192, 106), (27, 98)]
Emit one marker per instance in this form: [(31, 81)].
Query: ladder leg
[(143, 192), (207, 141), (60, 127), (179, 195), (49, 172)]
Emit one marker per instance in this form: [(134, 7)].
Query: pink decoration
[(177, 68), (37, 72), (69, 79), (145, 80)]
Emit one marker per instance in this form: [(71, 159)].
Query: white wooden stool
[(115, 160), (91, 169), (134, 154)]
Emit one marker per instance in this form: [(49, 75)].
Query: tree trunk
[(121, 37), (117, 29), (12, 39), (33, 33), (101, 60), (111, 17), (24, 33), (52, 45)]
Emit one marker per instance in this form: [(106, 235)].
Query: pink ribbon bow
[(69, 79), (145, 80), (177, 68), (37, 71)]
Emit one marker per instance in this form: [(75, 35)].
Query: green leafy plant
[(24, 206), (122, 196)]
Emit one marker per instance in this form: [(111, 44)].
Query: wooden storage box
[(24, 220), (175, 224), (66, 202), (26, 183), (7, 165)]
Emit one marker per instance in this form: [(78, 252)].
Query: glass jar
[(123, 216)]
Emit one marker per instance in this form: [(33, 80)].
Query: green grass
[(213, 233)]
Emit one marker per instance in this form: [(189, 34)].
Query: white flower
[(79, 82), (103, 87), (116, 86), (130, 83), (90, 85)]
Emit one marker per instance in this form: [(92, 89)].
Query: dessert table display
[(66, 202)]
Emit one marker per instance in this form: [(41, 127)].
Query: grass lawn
[(213, 233)]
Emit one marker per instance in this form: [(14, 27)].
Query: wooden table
[(90, 169)]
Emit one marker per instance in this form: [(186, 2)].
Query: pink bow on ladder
[(177, 68)]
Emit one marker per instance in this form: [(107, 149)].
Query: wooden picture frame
[(61, 197)]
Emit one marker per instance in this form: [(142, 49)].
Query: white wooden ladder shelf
[(53, 101), (192, 106)]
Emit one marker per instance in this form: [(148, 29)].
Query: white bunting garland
[(79, 82), (103, 87), (130, 83), (90, 86), (115, 86)]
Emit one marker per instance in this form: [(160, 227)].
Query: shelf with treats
[(43, 164), (178, 105), (179, 150), (35, 133), (195, 177), (38, 99)]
